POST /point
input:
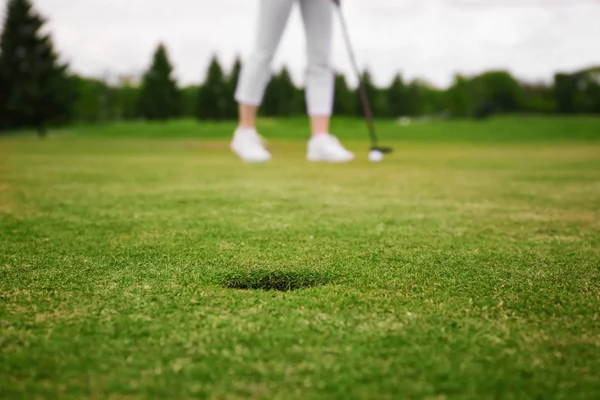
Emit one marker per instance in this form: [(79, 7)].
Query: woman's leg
[(319, 124), (256, 72), (247, 116), (254, 77), (318, 24), (320, 80)]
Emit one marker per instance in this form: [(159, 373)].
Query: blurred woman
[(273, 15)]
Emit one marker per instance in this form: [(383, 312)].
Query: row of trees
[(37, 91), (158, 97)]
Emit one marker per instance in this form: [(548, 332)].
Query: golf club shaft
[(364, 98)]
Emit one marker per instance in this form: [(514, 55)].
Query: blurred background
[(92, 61)]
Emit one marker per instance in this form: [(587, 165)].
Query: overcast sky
[(429, 39)]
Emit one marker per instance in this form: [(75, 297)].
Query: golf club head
[(383, 150)]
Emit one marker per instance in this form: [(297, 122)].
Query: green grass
[(134, 260)]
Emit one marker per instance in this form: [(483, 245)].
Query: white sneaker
[(248, 145), (327, 148)]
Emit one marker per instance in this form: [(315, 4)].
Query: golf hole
[(281, 281)]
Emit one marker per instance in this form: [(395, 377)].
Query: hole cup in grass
[(282, 281)]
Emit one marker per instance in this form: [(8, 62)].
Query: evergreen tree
[(190, 100), (396, 98), (371, 94), (90, 95), (231, 87), (160, 98), (212, 96), (270, 106), (127, 96), (35, 89), (432, 100), (345, 98), (280, 97), (380, 104), (235, 73), (413, 99), (300, 104)]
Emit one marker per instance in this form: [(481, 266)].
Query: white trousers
[(317, 16)]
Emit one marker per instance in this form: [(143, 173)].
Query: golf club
[(361, 86)]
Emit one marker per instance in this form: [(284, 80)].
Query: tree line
[(36, 91)]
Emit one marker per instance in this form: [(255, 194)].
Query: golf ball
[(375, 156)]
